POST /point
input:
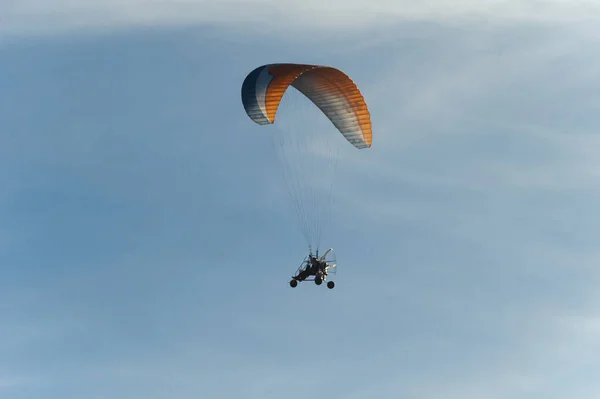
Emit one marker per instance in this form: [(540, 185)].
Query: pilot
[(314, 265)]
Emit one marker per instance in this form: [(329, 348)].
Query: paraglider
[(339, 99)]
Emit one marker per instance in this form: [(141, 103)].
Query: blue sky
[(146, 242)]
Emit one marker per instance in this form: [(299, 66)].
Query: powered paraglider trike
[(305, 148), (316, 268)]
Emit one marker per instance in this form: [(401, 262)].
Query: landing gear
[(318, 281)]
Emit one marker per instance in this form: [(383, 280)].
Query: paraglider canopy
[(331, 90)]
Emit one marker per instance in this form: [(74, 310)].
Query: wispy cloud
[(483, 120), (40, 17)]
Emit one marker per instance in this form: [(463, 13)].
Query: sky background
[(146, 243)]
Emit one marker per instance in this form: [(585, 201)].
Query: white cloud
[(262, 16)]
